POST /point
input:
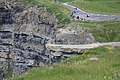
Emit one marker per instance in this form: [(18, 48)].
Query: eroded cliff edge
[(25, 31)]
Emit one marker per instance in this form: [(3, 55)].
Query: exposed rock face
[(74, 36), (25, 32), (36, 20), (5, 16)]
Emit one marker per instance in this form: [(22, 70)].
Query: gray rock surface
[(25, 32), (74, 35)]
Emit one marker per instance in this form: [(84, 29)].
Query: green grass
[(107, 67), (65, 0), (98, 6), (107, 31), (61, 12)]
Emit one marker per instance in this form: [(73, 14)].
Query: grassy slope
[(98, 6), (107, 67), (103, 31), (59, 11), (107, 31), (81, 68)]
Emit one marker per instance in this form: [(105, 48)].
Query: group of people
[(77, 17), (74, 12)]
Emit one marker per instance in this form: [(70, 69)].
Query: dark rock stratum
[(24, 32)]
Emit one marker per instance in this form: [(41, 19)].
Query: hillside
[(97, 6), (107, 31), (27, 27), (60, 12), (97, 64)]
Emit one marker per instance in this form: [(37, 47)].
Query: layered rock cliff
[(25, 31)]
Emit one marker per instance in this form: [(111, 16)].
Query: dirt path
[(83, 46), (89, 16)]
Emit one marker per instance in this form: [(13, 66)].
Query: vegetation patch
[(97, 6), (61, 12), (81, 67), (106, 31)]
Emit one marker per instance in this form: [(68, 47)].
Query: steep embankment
[(25, 31), (26, 28), (59, 11), (102, 63)]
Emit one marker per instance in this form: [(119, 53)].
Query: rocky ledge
[(25, 31)]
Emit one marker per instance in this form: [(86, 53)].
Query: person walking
[(88, 16), (74, 11)]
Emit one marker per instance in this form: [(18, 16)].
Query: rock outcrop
[(74, 36), (25, 30)]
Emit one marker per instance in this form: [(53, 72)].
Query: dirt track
[(83, 46)]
